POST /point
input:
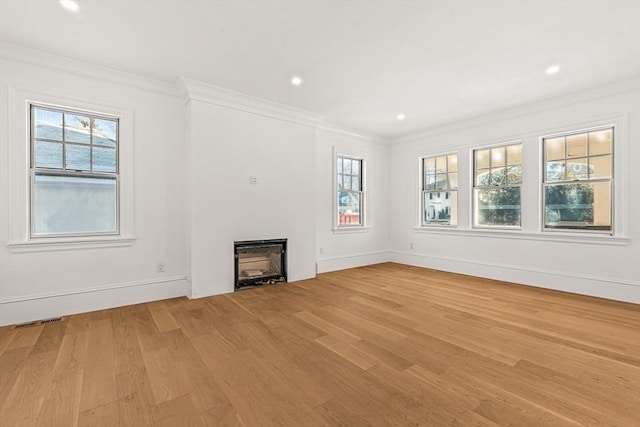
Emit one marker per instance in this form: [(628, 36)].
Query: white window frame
[(449, 189), (531, 190), (350, 228), (19, 172), (64, 172), (612, 180), (474, 218)]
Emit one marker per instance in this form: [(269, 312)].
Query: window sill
[(593, 239), (351, 229), (69, 244)]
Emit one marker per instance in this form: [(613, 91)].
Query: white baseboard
[(597, 286), (326, 265), (43, 306)]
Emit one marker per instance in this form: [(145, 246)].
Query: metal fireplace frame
[(247, 283)]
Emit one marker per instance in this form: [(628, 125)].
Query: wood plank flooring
[(384, 345)]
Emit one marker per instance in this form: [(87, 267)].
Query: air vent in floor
[(39, 322), (51, 320), (24, 325)]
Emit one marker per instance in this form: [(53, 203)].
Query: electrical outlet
[(321, 251), (161, 267), (411, 245), (253, 180)]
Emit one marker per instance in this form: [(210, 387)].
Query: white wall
[(337, 249), (37, 282), (227, 147), (605, 267), (191, 163)]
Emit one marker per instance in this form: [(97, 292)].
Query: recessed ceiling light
[(401, 117), (553, 69), (69, 4), (296, 81)]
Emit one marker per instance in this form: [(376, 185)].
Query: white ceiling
[(362, 62)]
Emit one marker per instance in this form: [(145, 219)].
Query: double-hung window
[(578, 180), (74, 173), (350, 191), (496, 189), (440, 190)]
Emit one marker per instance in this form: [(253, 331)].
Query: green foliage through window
[(498, 176), (578, 174)]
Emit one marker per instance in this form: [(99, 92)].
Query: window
[(496, 190), (440, 190), (350, 192), (74, 173), (577, 181)]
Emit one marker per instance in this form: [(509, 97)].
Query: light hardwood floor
[(385, 345)]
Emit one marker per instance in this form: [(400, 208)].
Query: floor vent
[(24, 325), (51, 320), (39, 322)]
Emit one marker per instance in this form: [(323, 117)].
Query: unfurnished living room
[(319, 213)]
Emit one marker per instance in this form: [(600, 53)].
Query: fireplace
[(259, 262)]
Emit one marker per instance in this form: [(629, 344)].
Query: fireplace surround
[(259, 262)]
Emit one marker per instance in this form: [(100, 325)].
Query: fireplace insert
[(259, 262)]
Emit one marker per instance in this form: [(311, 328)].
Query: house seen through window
[(74, 173), (350, 193), (440, 190)]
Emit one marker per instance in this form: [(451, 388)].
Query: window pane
[(74, 205), (514, 154), (105, 132), (600, 167), (346, 182), (430, 165), (339, 164), (577, 145), (453, 162), (498, 157), (514, 175), (577, 169), (498, 176), (346, 166), (349, 208), (441, 164), (77, 128), (482, 159), (441, 180), (441, 208), (600, 142), (554, 148), (78, 157), (497, 207), (104, 159), (48, 124), (453, 180), (355, 183), (578, 206), (431, 182), (602, 208), (555, 171), (48, 155), (355, 167), (482, 177)]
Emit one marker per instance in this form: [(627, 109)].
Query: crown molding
[(594, 93), (193, 90), (332, 127), (43, 59)]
